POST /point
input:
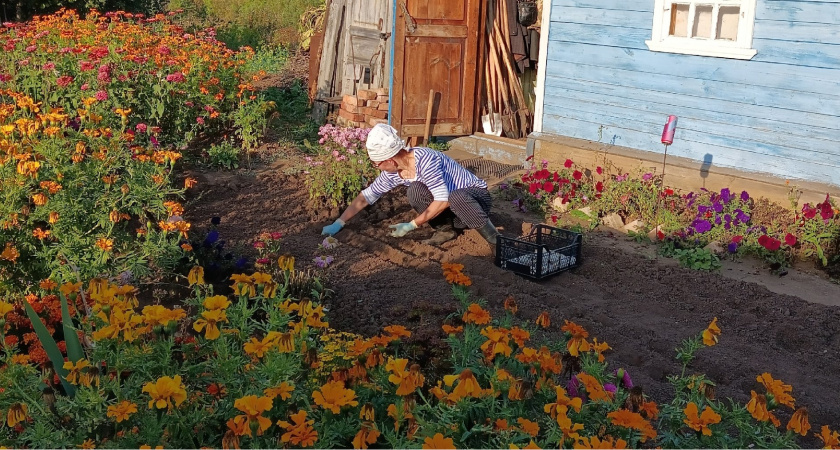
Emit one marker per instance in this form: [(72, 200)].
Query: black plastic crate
[(544, 252)]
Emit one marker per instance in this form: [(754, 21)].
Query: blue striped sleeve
[(380, 186), (431, 172)]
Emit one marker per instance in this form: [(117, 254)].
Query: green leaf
[(74, 347), (48, 342)]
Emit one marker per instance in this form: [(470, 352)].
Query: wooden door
[(436, 48), (365, 49)]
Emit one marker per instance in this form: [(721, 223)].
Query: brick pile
[(365, 109)]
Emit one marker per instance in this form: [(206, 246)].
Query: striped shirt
[(440, 173)]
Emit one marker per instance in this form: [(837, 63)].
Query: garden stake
[(667, 139)]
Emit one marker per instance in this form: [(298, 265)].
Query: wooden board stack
[(364, 110)]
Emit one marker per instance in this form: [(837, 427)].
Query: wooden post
[(329, 57), (429, 108)]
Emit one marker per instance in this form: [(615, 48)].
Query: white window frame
[(662, 41)]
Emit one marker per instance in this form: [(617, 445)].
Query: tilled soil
[(642, 306)]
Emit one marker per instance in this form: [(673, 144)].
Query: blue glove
[(401, 229), (334, 228)]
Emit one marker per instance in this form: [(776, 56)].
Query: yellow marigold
[(253, 407), (87, 444), (16, 414), (333, 396), (702, 421), (216, 302), (438, 442), (166, 391), (10, 253), (5, 308), (196, 276), (710, 334), (122, 410), (105, 244), (449, 329), (283, 390), (74, 370), (48, 284), (258, 347), (577, 342), (210, 321)]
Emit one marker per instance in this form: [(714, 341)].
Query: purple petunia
[(701, 225), (323, 261), (717, 220), (732, 247), (744, 196), (726, 195), (718, 207), (742, 217)]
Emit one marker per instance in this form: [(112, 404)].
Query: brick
[(383, 106), (352, 100), (373, 121), (366, 95), (379, 114), (352, 108), (351, 116), (381, 91), (381, 98), (367, 110), (373, 103)]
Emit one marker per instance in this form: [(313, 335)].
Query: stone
[(559, 206), (635, 226), (652, 233), (715, 248), (613, 221), (587, 210)]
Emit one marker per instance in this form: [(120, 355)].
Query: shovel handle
[(429, 116)]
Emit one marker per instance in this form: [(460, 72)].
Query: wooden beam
[(329, 57)]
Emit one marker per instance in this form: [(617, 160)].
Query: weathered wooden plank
[(764, 142), (820, 33), (798, 11), (598, 16), (751, 73), (329, 54), (622, 5), (687, 145), (755, 119)]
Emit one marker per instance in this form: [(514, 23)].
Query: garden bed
[(643, 307)]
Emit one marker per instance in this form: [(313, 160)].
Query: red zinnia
[(568, 163), (548, 186), (790, 240), (577, 175)]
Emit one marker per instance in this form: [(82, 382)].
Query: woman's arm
[(434, 209)]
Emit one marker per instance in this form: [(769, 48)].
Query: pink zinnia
[(31, 48), (85, 87), (101, 96), (85, 66), (141, 127), (49, 66), (276, 235), (200, 120), (176, 77), (64, 81)]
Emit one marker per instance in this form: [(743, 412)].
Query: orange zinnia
[(776, 388), (701, 422), (477, 315), (799, 422), (544, 320), (438, 441), (628, 419), (710, 334)]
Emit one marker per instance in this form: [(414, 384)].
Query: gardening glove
[(336, 226), (401, 229)]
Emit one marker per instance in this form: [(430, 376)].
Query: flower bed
[(93, 115), (685, 222), (262, 369)]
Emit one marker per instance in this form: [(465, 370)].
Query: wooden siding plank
[(622, 5), (632, 19), (742, 93), (802, 54), (752, 73), (819, 33), (687, 146), (763, 143), (793, 126), (798, 11)]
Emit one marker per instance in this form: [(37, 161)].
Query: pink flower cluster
[(349, 139)]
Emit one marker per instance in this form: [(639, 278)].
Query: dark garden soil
[(641, 305)]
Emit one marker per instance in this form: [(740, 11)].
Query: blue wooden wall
[(778, 113)]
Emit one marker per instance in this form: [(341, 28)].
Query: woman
[(446, 195)]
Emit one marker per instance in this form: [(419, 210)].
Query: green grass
[(294, 125)]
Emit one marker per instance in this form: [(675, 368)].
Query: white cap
[(383, 142)]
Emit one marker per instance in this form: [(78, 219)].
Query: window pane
[(727, 26), (703, 22), (679, 20)]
